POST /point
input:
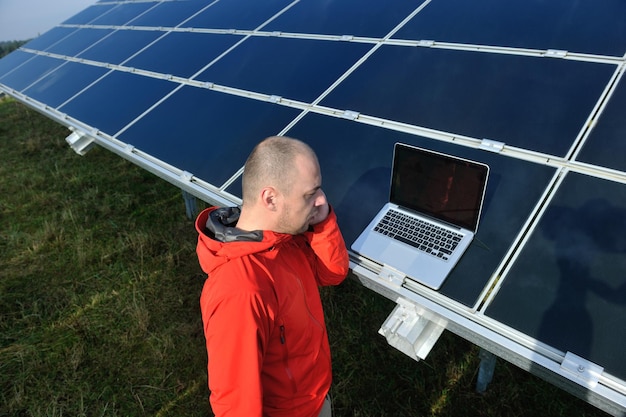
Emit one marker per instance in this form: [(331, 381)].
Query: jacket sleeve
[(236, 330), (331, 261)]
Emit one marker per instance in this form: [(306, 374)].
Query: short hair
[(272, 163)]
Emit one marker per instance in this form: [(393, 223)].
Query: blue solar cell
[(89, 14), (59, 85), (122, 13), (579, 26), (78, 41), (13, 62), (120, 45), (294, 68), (30, 71), (237, 14), (533, 103), (567, 288), (124, 96), (235, 187), (49, 38), (606, 145), (170, 14), (183, 53), (205, 132), (348, 17), (356, 181)]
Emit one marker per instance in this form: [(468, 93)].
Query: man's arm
[(236, 332), (332, 263)]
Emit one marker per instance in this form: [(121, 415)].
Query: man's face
[(301, 202)]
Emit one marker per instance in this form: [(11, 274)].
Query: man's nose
[(320, 200)]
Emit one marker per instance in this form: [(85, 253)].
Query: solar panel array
[(533, 88)]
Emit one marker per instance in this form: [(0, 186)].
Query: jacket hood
[(219, 240)]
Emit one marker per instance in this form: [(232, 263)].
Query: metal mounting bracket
[(410, 330), (80, 142), (350, 115), (556, 53), (491, 145), (392, 276), (584, 372)]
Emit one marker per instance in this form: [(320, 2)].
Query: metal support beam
[(191, 204), (485, 371)]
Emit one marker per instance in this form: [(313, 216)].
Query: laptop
[(432, 215)]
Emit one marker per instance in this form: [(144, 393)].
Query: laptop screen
[(441, 186)]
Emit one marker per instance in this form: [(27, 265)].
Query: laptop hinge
[(392, 276), (584, 371), (410, 330)]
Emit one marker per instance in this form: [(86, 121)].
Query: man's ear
[(269, 198)]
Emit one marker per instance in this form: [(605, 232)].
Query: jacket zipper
[(306, 304), (283, 341)]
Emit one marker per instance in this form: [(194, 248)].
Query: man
[(263, 321)]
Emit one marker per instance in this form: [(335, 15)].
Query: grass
[(99, 315)]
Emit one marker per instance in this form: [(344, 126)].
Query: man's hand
[(322, 210)]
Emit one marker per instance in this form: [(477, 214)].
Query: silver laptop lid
[(443, 187)]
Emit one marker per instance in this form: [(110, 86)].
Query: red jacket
[(263, 321)]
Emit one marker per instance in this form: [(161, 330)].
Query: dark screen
[(441, 186)]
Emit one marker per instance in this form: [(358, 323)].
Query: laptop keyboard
[(424, 236)]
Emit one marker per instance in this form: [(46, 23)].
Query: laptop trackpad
[(398, 257)]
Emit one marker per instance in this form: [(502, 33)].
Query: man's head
[(282, 187)]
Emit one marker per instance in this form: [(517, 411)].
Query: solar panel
[(67, 80), (299, 69), (119, 46), (32, 69), (606, 146), (123, 13), (580, 27), (480, 95), (343, 18), (78, 41), (90, 14), (200, 49), (236, 14), (54, 35), (569, 279), (125, 96), (216, 129), (534, 89), (170, 14)]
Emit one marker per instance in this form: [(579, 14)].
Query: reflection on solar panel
[(535, 89)]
